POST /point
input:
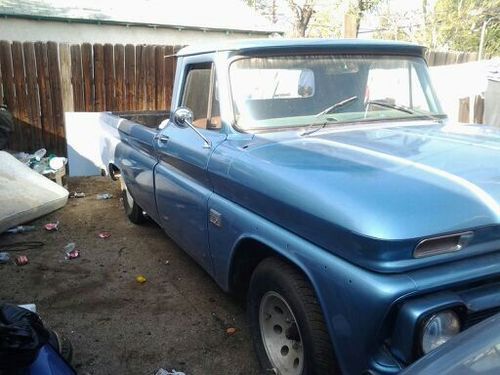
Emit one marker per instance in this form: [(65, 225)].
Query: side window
[(200, 96)]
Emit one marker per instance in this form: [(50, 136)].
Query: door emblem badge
[(215, 218)]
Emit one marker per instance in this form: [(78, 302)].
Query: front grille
[(478, 316)]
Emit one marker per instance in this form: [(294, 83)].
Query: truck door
[(182, 186)]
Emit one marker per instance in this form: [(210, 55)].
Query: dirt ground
[(177, 319)]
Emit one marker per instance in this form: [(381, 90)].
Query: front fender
[(345, 292)]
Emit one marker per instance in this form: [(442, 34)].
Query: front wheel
[(132, 209), (287, 325)]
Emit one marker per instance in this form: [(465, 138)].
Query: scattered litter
[(167, 262), (4, 257), (57, 162), (231, 331), (39, 154), (71, 252), (52, 226), (140, 279), (41, 163), (165, 372), (77, 194), (29, 306), (21, 260), (104, 196), (104, 234), (29, 159), (69, 247), (21, 229), (23, 157)]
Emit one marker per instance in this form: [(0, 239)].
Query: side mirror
[(182, 117)]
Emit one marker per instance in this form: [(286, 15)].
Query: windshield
[(303, 91)]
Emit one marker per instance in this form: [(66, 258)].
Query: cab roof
[(256, 46)]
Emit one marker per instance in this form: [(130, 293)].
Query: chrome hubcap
[(281, 335)]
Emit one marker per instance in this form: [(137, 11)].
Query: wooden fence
[(436, 58), (40, 81), (121, 78), (31, 88)]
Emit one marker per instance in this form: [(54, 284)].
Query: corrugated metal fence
[(40, 81)]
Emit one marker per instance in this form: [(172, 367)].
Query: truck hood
[(362, 188)]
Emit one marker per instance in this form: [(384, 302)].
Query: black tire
[(133, 211), (275, 275)]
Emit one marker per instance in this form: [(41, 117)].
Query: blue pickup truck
[(321, 180)]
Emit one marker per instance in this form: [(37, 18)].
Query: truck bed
[(121, 127)]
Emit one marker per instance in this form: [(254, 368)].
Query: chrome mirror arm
[(208, 143), (183, 117)]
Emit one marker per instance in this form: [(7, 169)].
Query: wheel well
[(248, 254)]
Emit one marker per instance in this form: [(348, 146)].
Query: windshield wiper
[(336, 105), (403, 109), (309, 129), (392, 106), (342, 103)]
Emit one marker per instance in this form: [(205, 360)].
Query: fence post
[(478, 109), (464, 110)]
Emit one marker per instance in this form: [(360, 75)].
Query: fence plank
[(55, 87), (478, 109), (169, 74), (100, 93), (76, 78), (34, 113), (130, 76), (159, 77), (18, 65), (42, 68), (7, 74), (119, 80), (20, 113), (8, 85), (66, 78), (464, 110), (109, 77), (1, 84), (150, 77), (88, 77), (140, 65)]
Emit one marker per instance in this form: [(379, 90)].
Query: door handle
[(163, 138)]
